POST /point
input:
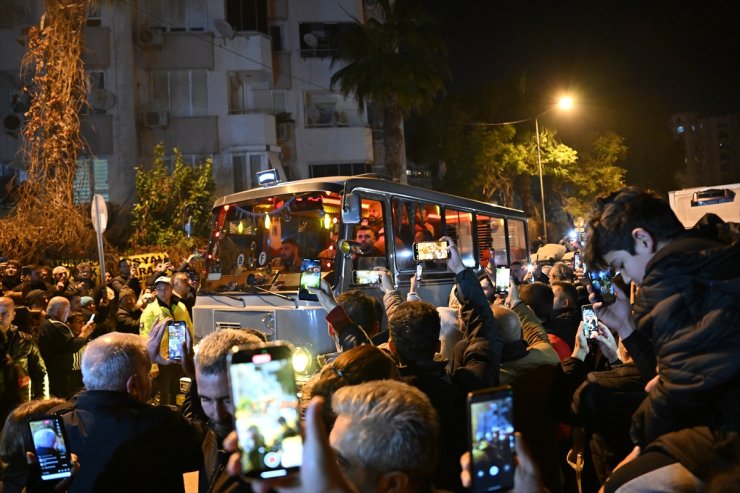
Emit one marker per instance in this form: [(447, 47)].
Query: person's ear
[(134, 387), (644, 242), (394, 482), (392, 346)]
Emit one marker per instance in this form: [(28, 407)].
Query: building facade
[(245, 82)]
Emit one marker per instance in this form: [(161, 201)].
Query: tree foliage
[(166, 200), (399, 63)]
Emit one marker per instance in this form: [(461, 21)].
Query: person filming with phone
[(684, 321)]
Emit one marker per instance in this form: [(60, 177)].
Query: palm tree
[(398, 63)]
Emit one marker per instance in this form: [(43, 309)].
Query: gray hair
[(395, 428), (110, 360), (210, 355), (56, 306)]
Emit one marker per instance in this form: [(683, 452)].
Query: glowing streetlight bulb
[(565, 103)]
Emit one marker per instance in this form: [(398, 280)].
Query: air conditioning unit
[(157, 118), (151, 38)]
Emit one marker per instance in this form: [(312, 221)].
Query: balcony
[(249, 129), (336, 144)]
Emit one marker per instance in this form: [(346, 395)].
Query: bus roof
[(364, 182)]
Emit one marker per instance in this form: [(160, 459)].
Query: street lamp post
[(542, 185), (565, 103)]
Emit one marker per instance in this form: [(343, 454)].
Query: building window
[(248, 94), (247, 15), (328, 109), (178, 15), (343, 169), (180, 92), (319, 39), (91, 178)]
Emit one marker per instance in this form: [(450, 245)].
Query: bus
[(349, 224)]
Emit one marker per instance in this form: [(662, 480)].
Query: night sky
[(629, 64)]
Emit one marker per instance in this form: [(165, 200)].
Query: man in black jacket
[(23, 351), (124, 443), (686, 320)]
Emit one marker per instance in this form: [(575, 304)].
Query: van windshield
[(260, 244)]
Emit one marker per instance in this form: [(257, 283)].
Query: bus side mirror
[(351, 209)]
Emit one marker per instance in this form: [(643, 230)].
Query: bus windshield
[(259, 244)]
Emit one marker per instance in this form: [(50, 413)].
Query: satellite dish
[(224, 28), (311, 40), (102, 99)]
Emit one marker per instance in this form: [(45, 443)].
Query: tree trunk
[(394, 144)]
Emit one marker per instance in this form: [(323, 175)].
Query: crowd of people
[(649, 400)]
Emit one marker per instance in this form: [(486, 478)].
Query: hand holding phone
[(176, 334), (310, 278), (431, 250), (266, 409), (50, 447), (491, 439), (503, 279), (602, 285), (590, 322)]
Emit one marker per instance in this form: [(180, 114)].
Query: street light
[(565, 103)]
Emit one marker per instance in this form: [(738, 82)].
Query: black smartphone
[(503, 275), (588, 315), (364, 277), (310, 278), (431, 250), (491, 439), (266, 409), (576, 260), (602, 285), (176, 334), (50, 447)]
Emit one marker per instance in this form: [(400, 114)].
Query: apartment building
[(246, 82), (711, 148)]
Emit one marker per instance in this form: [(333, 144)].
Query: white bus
[(247, 285)]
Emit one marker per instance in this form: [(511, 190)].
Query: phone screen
[(577, 260), (431, 250), (588, 315), (366, 277), (503, 274), (51, 447), (602, 285), (266, 409), (176, 334), (310, 278), (491, 439)]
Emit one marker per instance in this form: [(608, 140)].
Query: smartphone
[(503, 275), (365, 277), (310, 278), (266, 409), (588, 315), (577, 260), (602, 285), (50, 446), (91, 319), (419, 271), (176, 333), (491, 439), (431, 250)]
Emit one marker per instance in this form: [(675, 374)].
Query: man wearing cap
[(165, 306), (36, 300)]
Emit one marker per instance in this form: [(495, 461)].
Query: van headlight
[(301, 360)]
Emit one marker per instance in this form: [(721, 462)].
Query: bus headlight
[(301, 360)]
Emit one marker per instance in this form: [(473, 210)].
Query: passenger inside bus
[(289, 260)]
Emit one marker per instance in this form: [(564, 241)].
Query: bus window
[(414, 222), (491, 234), (517, 240), (262, 241), (459, 227)]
